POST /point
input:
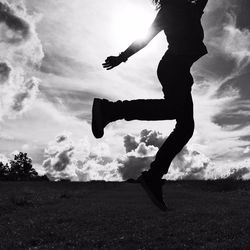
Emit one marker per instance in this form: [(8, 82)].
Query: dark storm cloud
[(19, 29)]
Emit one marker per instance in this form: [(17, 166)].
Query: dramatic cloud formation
[(67, 159), (77, 161), (21, 53), (140, 153)]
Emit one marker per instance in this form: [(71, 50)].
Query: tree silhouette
[(4, 171), (21, 168)]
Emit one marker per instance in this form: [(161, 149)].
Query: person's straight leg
[(181, 134), (174, 75)]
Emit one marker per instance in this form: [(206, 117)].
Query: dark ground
[(202, 215)]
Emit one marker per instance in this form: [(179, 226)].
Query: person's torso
[(184, 31)]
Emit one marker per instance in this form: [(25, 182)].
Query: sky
[(51, 70)]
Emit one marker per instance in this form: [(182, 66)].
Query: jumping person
[(181, 22)]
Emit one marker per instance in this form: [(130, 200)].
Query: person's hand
[(111, 62)]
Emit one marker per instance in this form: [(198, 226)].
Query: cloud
[(140, 153), (189, 164), (18, 93), (4, 72), (153, 138), (238, 174), (141, 150), (236, 42), (13, 29), (136, 161), (130, 143), (74, 160), (21, 54), (4, 159), (77, 160), (220, 110), (230, 41)]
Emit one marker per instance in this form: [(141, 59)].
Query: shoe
[(153, 190), (98, 120), (104, 112)]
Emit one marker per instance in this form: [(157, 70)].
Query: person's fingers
[(109, 62), (110, 67), (113, 64), (105, 64)]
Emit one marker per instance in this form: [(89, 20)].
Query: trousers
[(174, 75)]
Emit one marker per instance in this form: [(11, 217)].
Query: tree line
[(19, 169)]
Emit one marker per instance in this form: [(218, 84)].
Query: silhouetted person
[(181, 22)]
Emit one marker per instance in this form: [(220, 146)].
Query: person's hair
[(160, 3)]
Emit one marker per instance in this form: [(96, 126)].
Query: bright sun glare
[(130, 22)]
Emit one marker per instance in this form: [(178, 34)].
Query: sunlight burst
[(130, 22)]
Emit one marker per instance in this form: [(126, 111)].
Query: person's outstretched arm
[(155, 28)]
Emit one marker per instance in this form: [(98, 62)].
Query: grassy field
[(97, 215)]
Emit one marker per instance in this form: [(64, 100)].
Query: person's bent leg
[(104, 112)]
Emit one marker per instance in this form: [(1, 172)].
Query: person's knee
[(190, 129), (185, 128)]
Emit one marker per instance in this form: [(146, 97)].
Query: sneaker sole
[(97, 121), (151, 195)]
